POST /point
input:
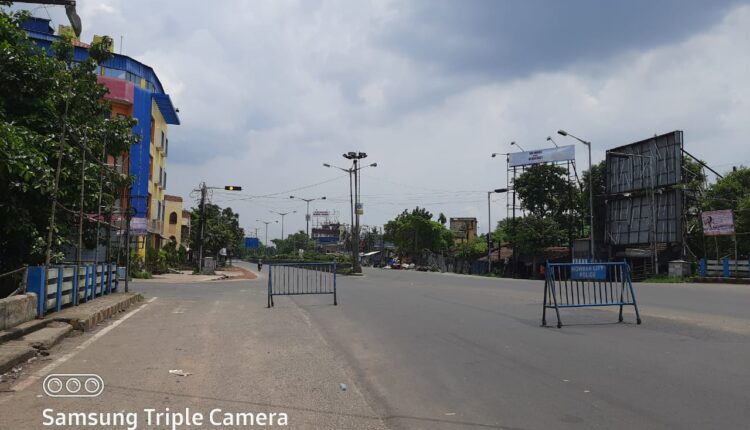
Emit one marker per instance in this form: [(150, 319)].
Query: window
[(173, 218), (165, 180), (150, 168), (148, 206)]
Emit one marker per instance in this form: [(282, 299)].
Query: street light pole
[(592, 254), (266, 238), (354, 189), (489, 229), (283, 214), (307, 215)]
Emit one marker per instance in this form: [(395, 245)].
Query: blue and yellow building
[(134, 91)]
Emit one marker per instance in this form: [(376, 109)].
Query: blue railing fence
[(577, 285), (70, 285), (724, 268), (290, 279)]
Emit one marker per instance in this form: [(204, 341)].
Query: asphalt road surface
[(436, 351), (414, 351)]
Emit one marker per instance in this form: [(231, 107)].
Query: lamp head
[(326, 165), (562, 132)]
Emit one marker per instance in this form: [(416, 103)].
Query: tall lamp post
[(356, 208), (652, 235), (283, 214), (266, 223), (307, 215), (489, 228), (592, 254)]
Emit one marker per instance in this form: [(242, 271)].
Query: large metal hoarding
[(629, 185), (629, 219), (634, 172)]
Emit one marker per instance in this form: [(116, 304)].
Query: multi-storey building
[(135, 91)]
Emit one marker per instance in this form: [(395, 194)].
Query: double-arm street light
[(283, 214), (652, 233), (307, 215), (489, 228), (592, 254), (354, 196), (266, 223), (516, 144)]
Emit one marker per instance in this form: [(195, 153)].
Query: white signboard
[(718, 223), (547, 155), (138, 227)]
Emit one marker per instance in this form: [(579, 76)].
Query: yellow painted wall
[(160, 160), (173, 229)]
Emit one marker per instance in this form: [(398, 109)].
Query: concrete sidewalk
[(30, 339)]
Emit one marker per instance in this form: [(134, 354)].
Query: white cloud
[(268, 91)]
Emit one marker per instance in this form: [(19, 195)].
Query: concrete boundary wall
[(18, 309)]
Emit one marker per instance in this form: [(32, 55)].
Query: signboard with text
[(138, 227), (718, 223), (547, 155), (588, 272)]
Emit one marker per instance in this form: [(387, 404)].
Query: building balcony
[(154, 226)]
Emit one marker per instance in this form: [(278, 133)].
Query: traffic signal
[(232, 188)]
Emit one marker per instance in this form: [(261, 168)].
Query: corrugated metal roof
[(164, 103)]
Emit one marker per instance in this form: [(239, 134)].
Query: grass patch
[(141, 275)]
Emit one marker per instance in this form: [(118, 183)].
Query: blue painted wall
[(139, 152)]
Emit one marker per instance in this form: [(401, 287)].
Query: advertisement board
[(718, 223), (546, 155), (464, 229)]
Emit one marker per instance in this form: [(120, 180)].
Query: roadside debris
[(179, 372), (343, 387)]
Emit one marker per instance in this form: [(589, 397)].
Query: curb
[(87, 323)]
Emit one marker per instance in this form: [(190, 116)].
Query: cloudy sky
[(268, 91)]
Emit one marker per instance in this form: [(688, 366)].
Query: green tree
[(293, 243), (544, 191), (732, 192), (222, 230), (414, 231), (600, 203), (50, 109), (531, 234)]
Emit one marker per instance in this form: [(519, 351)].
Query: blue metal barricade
[(289, 279), (577, 285)]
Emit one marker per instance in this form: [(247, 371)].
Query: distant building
[(135, 91), (186, 228), (464, 229), (174, 219)]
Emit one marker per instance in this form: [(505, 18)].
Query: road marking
[(46, 370), (179, 310)]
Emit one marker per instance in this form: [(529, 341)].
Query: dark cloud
[(510, 39)]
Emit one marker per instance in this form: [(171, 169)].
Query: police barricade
[(578, 285), (289, 279)]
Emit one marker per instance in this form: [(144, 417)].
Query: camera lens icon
[(73, 385)]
